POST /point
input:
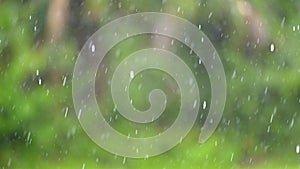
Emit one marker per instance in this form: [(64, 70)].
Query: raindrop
[(83, 166), (292, 124), (79, 114), (40, 81), (93, 48), (146, 156), (199, 27), (9, 162), (37, 72), (199, 61), (131, 74), (210, 14), (124, 160), (204, 105), (266, 90), (64, 80), (195, 104), (282, 22), (66, 111), (233, 74), (28, 136), (231, 158), (139, 86), (272, 47), (268, 130), (298, 149), (271, 119), (191, 81)]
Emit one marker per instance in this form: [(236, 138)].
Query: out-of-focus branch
[(258, 32), (56, 19)]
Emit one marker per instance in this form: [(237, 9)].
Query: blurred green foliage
[(261, 123)]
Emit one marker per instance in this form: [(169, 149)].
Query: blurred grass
[(38, 126)]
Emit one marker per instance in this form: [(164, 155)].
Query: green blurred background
[(258, 42)]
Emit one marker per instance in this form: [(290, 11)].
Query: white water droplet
[(191, 81), (131, 74), (40, 81), (64, 80), (298, 149), (93, 48), (9, 162), (66, 111), (139, 86), (195, 104), (83, 166), (79, 114), (199, 27), (231, 158), (282, 22), (124, 160), (268, 129), (37, 72), (271, 119), (210, 14), (292, 124), (266, 90), (272, 47), (180, 141), (28, 136), (204, 105), (233, 74), (146, 156)]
